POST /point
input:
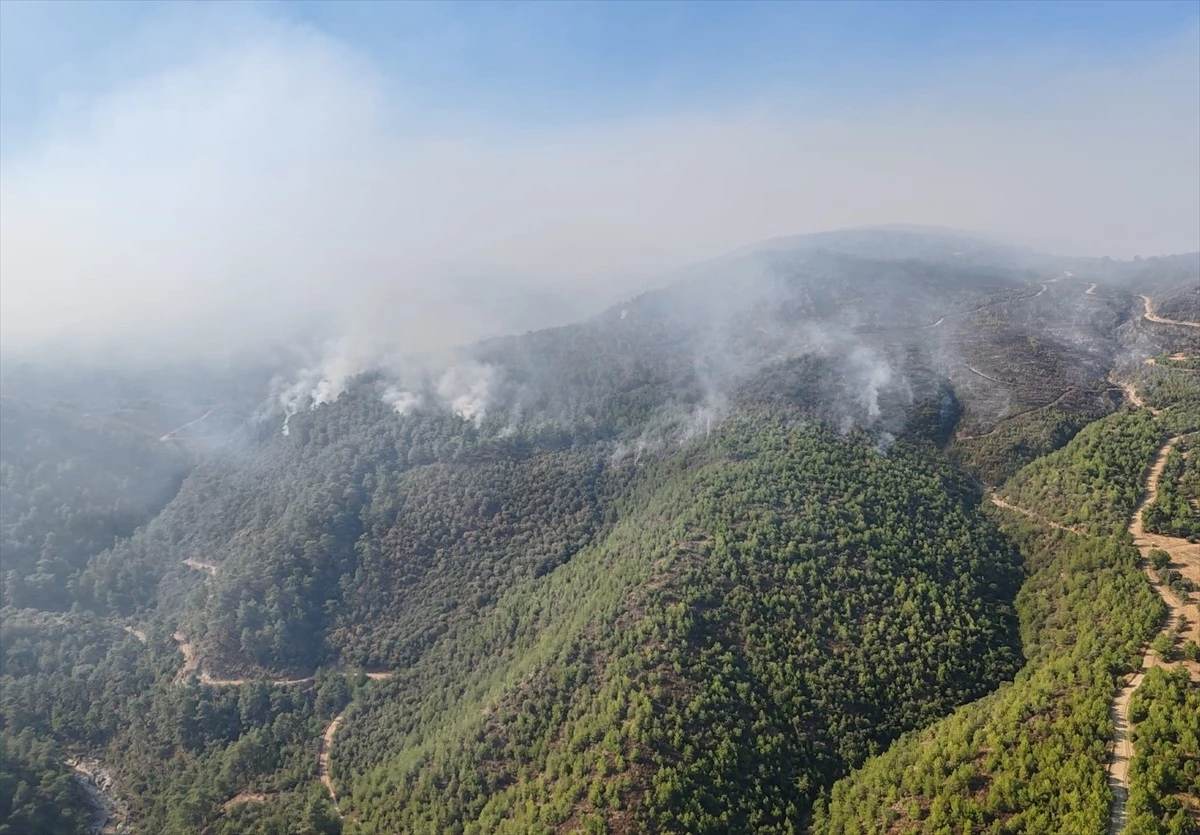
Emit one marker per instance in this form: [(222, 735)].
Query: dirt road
[(1131, 393), (1150, 314), (1179, 616), (179, 429), (999, 502), (323, 761), (1184, 555), (191, 663)]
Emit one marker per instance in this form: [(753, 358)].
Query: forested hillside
[(181, 749), (38, 792), (628, 685), (1030, 758), (70, 487), (1094, 482), (681, 567)]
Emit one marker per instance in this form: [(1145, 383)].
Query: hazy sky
[(217, 171)]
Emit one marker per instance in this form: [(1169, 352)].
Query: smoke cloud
[(466, 389), (270, 184)]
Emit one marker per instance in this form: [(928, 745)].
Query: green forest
[(626, 685), (1094, 482), (70, 487), (731, 557), (183, 749), (1030, 757), (1173, 511), (1166, 768), (38, 792)]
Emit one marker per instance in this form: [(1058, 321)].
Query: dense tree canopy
[(38, 793), (713, 561), (1030, 758)]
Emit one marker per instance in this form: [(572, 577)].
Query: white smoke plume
[(467, 389), (316, 384), (873, 373), (401, 400)]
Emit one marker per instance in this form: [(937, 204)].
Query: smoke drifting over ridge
[(271, 185)]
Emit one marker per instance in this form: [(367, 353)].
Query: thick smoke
[(871, 374), (401, 400), (269, 181), (316, 384), (270, 185), (467, 389)]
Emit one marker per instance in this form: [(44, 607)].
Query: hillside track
[(1179, 619), (1131, 394), (171, 435), (1184, 556), (323, 759), (1150, 315), (999, 502), (191, 663)]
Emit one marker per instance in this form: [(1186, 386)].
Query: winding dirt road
[(1181, 620), (1184, 555), (327, 745), (191, 663), (1131, 393), (1150, 314)]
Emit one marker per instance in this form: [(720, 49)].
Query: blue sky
[(522, 65), (267, 162)]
